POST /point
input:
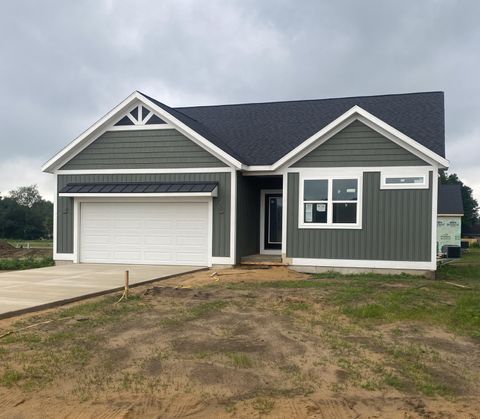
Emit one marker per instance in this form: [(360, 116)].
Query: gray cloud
[(64, 64)]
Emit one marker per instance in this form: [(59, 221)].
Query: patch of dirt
[(7, 251), (245, 353)]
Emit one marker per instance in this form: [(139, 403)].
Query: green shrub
[(27, 263)]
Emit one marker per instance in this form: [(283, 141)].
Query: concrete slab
[(34, 289)]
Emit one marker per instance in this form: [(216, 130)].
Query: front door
[(273, 221)]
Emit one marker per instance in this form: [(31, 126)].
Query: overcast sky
[(64, 64)]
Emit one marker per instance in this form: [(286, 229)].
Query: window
[(397, 181), (332, 202)]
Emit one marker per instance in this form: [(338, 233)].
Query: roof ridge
[(308, 100)]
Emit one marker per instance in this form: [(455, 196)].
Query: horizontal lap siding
[(221, 204), (156, 149), (358, 145), (396, 225)]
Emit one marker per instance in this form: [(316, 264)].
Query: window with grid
[(330, 202)]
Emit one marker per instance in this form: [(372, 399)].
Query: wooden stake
[(126, 289)]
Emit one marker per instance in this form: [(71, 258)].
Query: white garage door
[(144, 233)]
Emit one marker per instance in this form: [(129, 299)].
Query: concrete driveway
[(23, 291)]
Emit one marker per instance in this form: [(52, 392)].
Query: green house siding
[(396, 225), (221, 205), (165, 148), (358, 145)]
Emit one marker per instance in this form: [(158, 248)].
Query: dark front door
[(273, 221)]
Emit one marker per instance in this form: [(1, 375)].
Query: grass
[(193, 313), (27, 263), (240, 360), (349, 317), (38, 357)]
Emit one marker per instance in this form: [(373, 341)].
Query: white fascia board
[(223, 169), (214, 193), (190, 133), (103, 122), (356, 112)]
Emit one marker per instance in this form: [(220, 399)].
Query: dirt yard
[(9, 251), (254, 343)]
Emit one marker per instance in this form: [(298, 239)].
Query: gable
[(142, 149), (359, 145)]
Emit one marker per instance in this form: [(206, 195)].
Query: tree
[(25, 215), (26, 196), (470, 204)]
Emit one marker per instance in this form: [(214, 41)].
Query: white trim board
[(360, 263), (214, 193), (224, 169)]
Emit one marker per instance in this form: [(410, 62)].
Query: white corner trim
[(223, 169), (55, 203), (233, 217), (435, 176), (360, 263), (284, 214), (210, 232)]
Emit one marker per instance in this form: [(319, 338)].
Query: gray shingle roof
[(139, 187), (262, 133), (450, 199)]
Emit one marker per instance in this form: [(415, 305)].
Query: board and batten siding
[(396, 226), (221, 204), (358, 145), (158, 149)]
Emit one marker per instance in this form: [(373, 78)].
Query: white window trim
[(411, 172), (264, 251), (329, 224)]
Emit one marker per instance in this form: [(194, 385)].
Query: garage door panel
[(149, 233)]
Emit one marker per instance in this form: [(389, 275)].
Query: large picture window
[(330, 202)]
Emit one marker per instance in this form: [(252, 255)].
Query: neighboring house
[(450, 212), (325, 184)]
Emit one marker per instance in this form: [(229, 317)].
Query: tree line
[(25, 215)]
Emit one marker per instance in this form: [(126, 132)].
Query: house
[(345, 184), (449, 219)]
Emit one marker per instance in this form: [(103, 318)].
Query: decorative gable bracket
[(139, 116)]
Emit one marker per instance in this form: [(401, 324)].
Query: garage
[(160, 233)]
